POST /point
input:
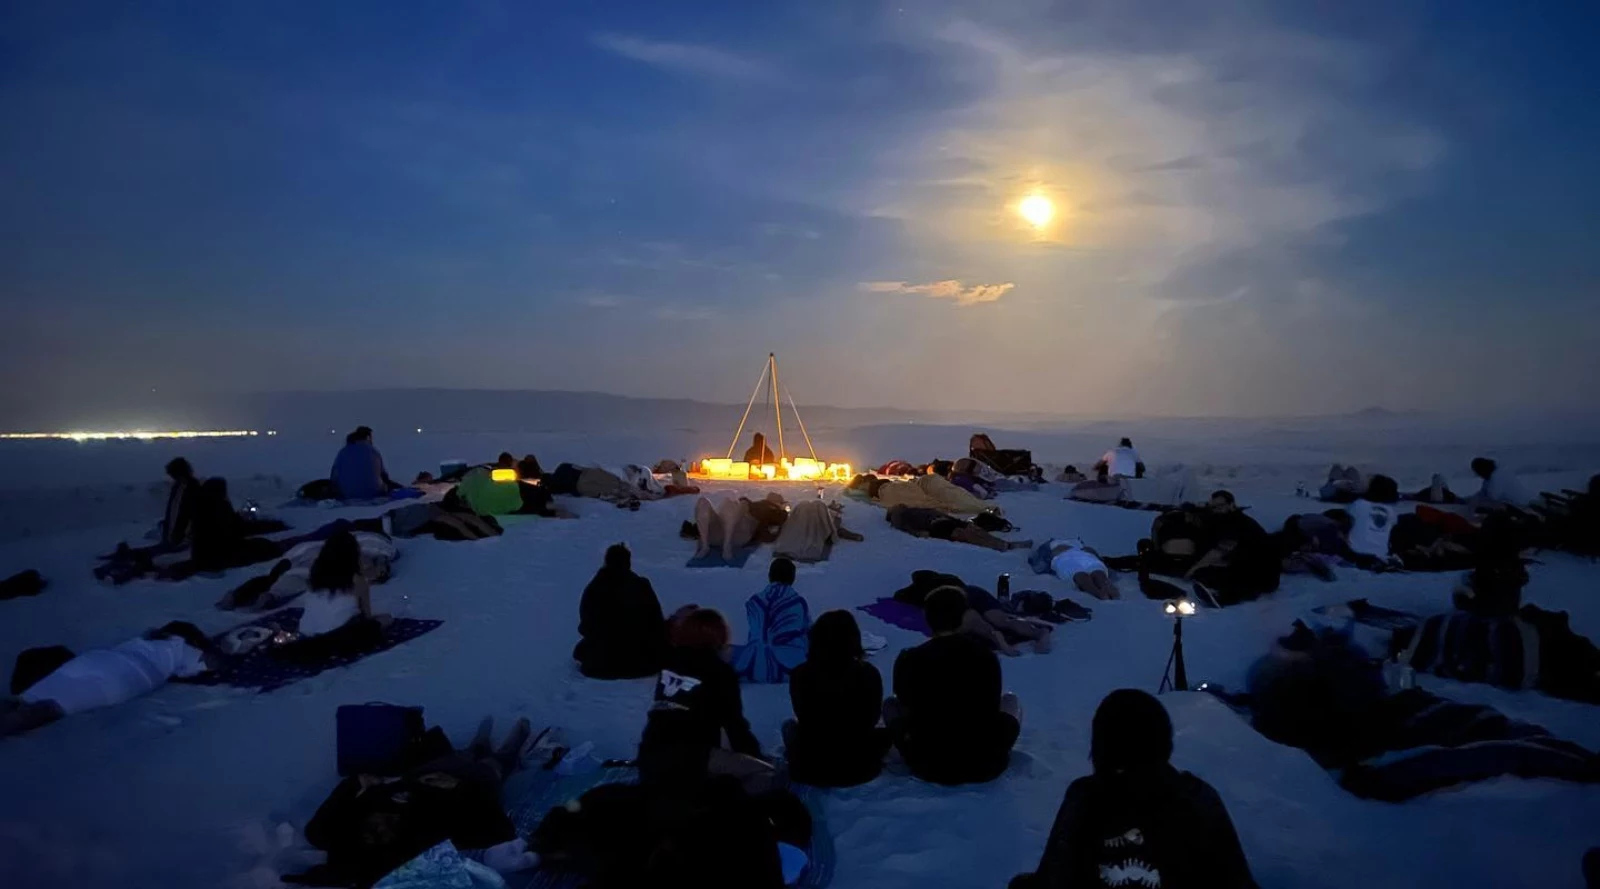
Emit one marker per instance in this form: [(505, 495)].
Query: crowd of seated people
[(1216, 545)]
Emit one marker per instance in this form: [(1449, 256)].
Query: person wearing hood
[(358, 472), (624, 635), (1137, 821), (759, 454)]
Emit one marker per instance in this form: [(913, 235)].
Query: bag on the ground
[(375, 738)]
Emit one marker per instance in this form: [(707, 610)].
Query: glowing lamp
[(740, 469), (1180, 608), (770, 471), (503, 475), (717, 467)]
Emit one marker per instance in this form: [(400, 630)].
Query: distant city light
[(419, 430), (135, 434)]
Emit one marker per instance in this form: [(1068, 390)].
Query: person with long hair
[(834, 739), (1137, 817), (337, 616)]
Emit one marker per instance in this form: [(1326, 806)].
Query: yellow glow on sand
[(135, 434), (1037, 209)]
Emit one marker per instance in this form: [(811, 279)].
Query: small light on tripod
[(1180, 608)]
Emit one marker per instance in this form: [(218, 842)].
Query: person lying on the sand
[(338, 617), (697, 700), (1137, 815), (1344, 484), (778, 619), (1437, 492), (624, 635), (371, 825), (1072, 561), (989, 621), (948, 716), (1071, 476), (920, 522), (834, 739), (107, 677), (737, 522)]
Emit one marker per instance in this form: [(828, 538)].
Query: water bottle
[(1002, 587)]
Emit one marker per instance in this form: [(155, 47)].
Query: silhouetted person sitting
[(1137, 821), (949, 717), (219, 539), (759, 454), (834, 739), (624, 635), (177, 521), (358, 472)]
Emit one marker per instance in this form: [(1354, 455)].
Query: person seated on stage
[(624, 635), (338, 617), (759, 454), (988, 621), (1501, 488), (1437, 492), (697, 700), (834, 739), (949, 717), (1137, 815), (358, 472), (736, 522), (177, 521), (107, 677), (1082, 567), (1372, 518), (1121, 461), (779, 620), (922, 522)]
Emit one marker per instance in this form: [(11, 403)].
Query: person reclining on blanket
[(624, 635), (948, 716), (338, 618), (371, 825), (779, 620), (921, 522), (1501, 488), (1080, 566), (834, 739), (1344, 484), (1137, 821), (1121, 461), (736, 522), (697, 700), (1243, 561), (111, 676), (988, 621)]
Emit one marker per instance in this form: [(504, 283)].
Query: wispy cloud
[(948, 289), (687, 58)]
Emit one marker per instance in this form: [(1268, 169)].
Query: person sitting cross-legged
[(948, 716), (779, 620), (1137, 821), (834, 739), (624, 635)]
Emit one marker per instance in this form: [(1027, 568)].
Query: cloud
[(687, 58), (947, 289)]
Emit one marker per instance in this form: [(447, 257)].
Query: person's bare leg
[(737, 527), (1107, 587), (977, 625), (703, 518), (978, 537), (1009, 626)]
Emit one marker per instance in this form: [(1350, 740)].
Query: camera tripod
[(1176, 676)]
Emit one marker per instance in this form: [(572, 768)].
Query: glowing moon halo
[(1037, 209)]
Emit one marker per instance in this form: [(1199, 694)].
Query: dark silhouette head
[(179, 470), (362, 433), (1222, 501), (182, 629), (944, 608), (835, 637), (1125, 443), (1483, 467), (505, 461), (337, 564), (758, 440), (1382, 489), (701, 628), (782, 571), (619, 557), (1131, 730)]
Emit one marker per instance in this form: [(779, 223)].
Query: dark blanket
[(1533, 648), (1415, 742), (260, 670)]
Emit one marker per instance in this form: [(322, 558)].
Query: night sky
[(1259, 207)]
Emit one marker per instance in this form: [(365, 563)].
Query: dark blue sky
[(1262, 207)]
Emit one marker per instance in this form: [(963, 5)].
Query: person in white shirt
[(1081, 566), (1500, 487), (1121, 460), (107, 677), (1372, 517), (337, 616)]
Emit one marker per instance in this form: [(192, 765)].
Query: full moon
[(1037, 209)]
